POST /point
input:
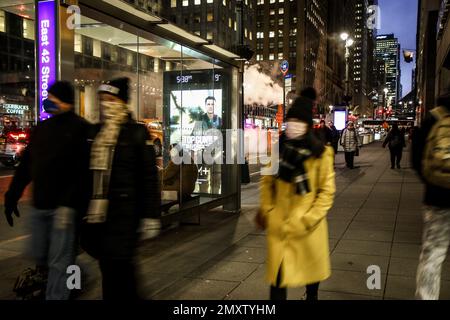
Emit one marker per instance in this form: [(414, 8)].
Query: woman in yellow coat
[(294, 206)]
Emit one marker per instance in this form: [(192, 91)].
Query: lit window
[(210, 17), (197, 2), (280, 56), (28, 29), (281, 11), (271, 34), (209, 1), (271, 56), (209, 35), (97, 46), (77, 43), (185, 3), (2, 21), (173, 3), (259, 2)]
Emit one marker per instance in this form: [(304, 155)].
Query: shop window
[(3, 63), (14, 25), (28, 49), (15, 46)]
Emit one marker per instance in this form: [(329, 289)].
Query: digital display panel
[(340, 119), (195, 102)]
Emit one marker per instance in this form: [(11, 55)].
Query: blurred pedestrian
[(431, 159), (180, 177), (294, 206), (335, 136), (126, 197), (396, 141), (57, 162), (351, 143)]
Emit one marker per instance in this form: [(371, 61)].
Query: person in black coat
[(57, 162), (396, 141), (324, 133), (133, 193)]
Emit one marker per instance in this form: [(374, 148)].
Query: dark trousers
[(280, 294), (118, 279), (396, 156), (349, 159)]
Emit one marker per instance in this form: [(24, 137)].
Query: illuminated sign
[(340, 120), (19, 109), (47, 63)]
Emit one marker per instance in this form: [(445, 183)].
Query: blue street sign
[(289, 76), (284, 66)]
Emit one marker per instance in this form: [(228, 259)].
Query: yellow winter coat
[(297, 229)]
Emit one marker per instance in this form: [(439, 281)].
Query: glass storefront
[(185, 98), (17, 72)]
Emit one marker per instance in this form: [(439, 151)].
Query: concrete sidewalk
[(376, 220)]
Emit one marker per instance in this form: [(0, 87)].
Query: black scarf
[(293, 154)]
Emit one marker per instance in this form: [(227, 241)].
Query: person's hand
[(10, 209), (150, 228)]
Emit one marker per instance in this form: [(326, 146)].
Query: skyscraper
[(363, 62), (388, 50), (295, 31), (214, 20)]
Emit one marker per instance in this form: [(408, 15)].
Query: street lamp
[(348, 43)]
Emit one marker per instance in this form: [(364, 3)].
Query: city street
[(375, 220)]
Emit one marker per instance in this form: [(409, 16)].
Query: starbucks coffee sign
[(19, 109)]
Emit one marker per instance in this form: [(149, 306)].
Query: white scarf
[(115, 115)]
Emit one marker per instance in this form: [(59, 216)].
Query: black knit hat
[(117, 87), (63, 90), (301, 109)]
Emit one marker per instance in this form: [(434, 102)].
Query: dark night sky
[(400, 17)]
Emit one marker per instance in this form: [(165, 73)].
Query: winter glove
[(150, 228), (10, 208)]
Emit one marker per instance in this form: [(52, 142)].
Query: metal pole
[(347, 72), (284, 98)]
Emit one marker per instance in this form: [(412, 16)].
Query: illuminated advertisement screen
[(46, 46), (195, 105), (340, 119)]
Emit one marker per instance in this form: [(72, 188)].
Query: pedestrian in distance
[(56, 161), (126, 197), (324, 133), (335, 136), (396, 142), (351, 143), (294, 205), (431, 159)]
